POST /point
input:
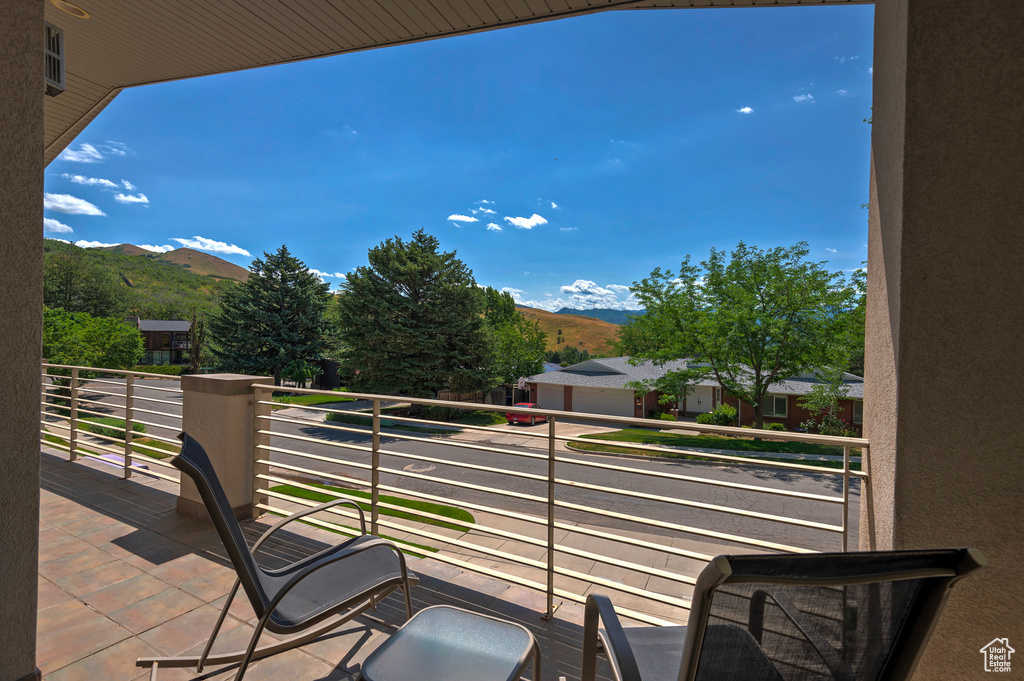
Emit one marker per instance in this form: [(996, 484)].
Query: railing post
[(846, 496), (375, 470), (73, 447), (129, 421), (260, 421), (551, 520)]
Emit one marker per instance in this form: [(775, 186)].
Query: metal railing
[(639, 521), (548, 513), (74, 397)]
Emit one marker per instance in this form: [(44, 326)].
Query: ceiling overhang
[(126, 43)]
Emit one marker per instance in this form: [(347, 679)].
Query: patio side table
[(446, 643)]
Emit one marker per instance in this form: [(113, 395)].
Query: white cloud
[(72, 205), (327, 275), (90, 181), (831, 250), (527, 223), (131, 198), (582, 295), (93, 244), (116, 148), (128, 185), (516, 293), (567, 229), (201, 243), (63, 241), (86, 153), (745, 110), (485, 211), (554, 206), (462, 218), (156, 249), (51, 226), (844, 93), (492, 227), (485, 201), (804, 98), (871, 70)]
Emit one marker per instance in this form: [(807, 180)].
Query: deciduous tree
[(273, 319), (78, 338), (754, 318)]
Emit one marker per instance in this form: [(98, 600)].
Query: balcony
[(550, 523)]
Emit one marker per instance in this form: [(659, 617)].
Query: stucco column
[(944, 393), (21, 304), (218, 411)]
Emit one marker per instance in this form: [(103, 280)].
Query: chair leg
[(216, 627), (252, 645)]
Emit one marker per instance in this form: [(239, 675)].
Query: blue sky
[(562, 161)]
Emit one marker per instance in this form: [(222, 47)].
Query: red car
[(513, 417)]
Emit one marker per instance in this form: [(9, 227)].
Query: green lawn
[(732, 444), (285, 401), (481, 418), (457, 514), (96, 424)]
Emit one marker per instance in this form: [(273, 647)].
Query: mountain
[(587, 333), (198, 262), (604, 314), (205, 264)]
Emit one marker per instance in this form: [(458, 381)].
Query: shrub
[(665, 416), (774, 426), (164, 369), (723, 415), (435, 413), (101, 426), (830, 425)]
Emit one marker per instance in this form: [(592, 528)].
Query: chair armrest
[(835, 663), (599, 610), (310, 511)]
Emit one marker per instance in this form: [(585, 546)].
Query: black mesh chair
[(820, 617), (326, 589)]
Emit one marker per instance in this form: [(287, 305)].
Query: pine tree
[(411, 322), (275, 318)]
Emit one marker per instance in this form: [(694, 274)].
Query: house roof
[(163, 325), (125, 43), (616, 372)]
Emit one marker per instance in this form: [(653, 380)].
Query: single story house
[(165, 341), (598, 386)]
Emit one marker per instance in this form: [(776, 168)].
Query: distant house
[(598, 386), (165, 341)]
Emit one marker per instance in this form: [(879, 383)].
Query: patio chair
[(336, 584), (840, 616)]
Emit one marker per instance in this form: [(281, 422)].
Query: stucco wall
[(21, 303), (946, 306)]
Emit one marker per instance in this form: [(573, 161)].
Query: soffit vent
[(53, 77)]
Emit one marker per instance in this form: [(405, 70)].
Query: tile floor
[(122, 574)]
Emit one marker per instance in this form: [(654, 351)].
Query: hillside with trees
[(127, 280)]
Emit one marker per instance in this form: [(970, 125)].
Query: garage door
[(610, 401), (700, 400), (551, 396)]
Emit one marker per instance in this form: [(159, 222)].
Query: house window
[(774, 405), (165, 340), (858, 411)]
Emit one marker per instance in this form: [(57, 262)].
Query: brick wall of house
[(795, 413)]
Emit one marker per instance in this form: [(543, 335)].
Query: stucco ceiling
[(125, 43)]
